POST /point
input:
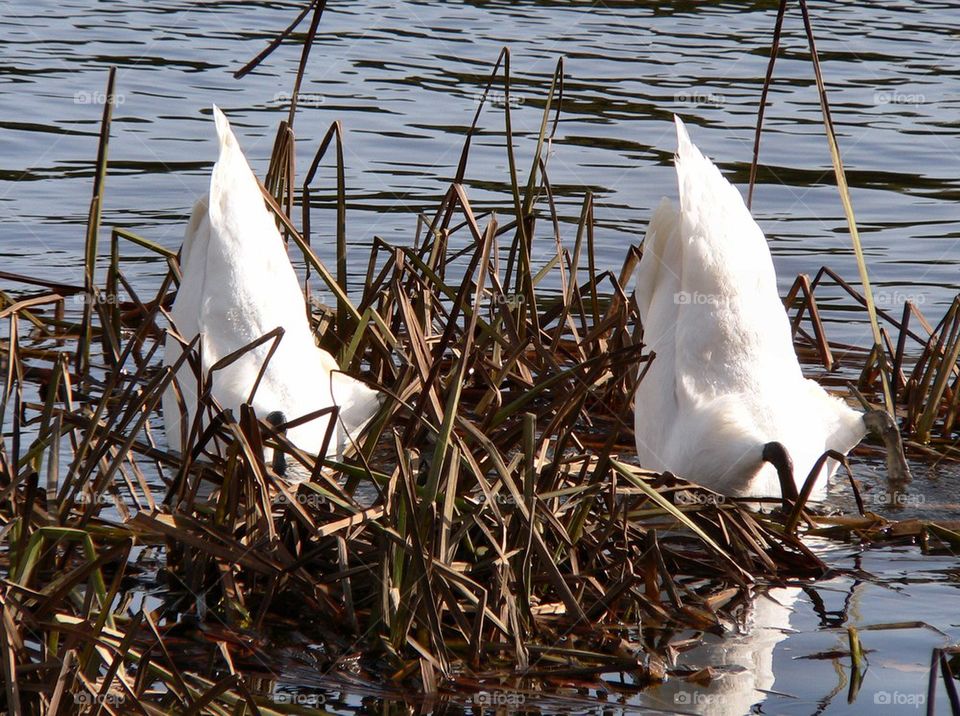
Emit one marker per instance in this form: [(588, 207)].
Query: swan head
[(881, 424), (776, 454), (276, 458)]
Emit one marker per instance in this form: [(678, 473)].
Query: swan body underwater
[(724, 402), (237, 285)]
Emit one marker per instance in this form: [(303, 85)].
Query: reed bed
[(488, 533)]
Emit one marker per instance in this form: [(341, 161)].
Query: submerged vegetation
[(488, 533)]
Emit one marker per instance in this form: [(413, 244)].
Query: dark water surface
[(404, 79)]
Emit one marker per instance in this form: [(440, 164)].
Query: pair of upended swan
[(237, 285), (724, 402)]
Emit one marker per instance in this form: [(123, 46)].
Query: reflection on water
[(743, 662), (404, 79), (792, 654)]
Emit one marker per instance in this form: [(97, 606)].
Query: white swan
[(724, 402), (238, 284)]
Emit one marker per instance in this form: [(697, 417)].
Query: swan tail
[(712, 205), (234, 192), (723, 237), (699, 177)]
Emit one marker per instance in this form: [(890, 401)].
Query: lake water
[(404, 79)]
